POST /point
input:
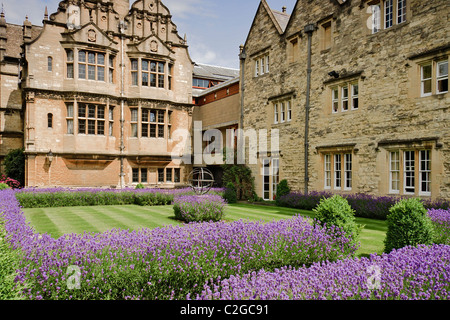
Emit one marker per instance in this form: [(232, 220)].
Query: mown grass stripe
[(257, 214), (159, 217), (42, 223), (73, 220), (277, 211), (97, 217), (135, 217)]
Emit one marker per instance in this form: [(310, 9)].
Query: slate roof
[(282, 18), (14, 35), (210, 72), (201, 92)]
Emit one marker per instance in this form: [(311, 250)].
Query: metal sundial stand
[(201, 180)]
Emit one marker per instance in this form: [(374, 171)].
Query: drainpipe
[(122, 94), (309, 29), (242, 57)]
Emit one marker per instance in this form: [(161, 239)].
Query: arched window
[(50, 120), (49, 64)]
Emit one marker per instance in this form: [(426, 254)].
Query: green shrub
[(204, 208), (408, 225), (4, 186), (336, 211), (140, 186), (9, 262), (282, 190), (255, 198), (230, 194), (241, 177), (15, 165)]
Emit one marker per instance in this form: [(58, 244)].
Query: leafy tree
[(230, 194), (15, 165), (241, 177)]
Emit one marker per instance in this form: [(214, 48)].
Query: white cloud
[(204, 53), (200, 19), (16, 11), (184, 9)]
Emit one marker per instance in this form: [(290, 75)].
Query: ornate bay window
[(151, 73), (152, 123), (89, 119), (89, 65)]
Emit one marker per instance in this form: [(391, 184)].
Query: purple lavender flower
[(410, 273), (175, 260), (195, 208), (441, 223)]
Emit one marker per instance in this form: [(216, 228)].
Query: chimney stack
[(27, 30), (3, 38)]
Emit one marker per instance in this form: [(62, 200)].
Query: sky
[(214, 28)]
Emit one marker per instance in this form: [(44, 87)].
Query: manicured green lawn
[(60, 221)]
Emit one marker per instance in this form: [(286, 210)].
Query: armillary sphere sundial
[(201, 180)]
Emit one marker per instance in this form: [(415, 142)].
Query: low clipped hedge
[(99, 197), (365, 206)]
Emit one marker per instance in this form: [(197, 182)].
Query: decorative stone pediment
[(153, 45), (89, 34)]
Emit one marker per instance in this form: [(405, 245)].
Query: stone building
[(358, 90), (104, 87), (12, 37), (218, 110)]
